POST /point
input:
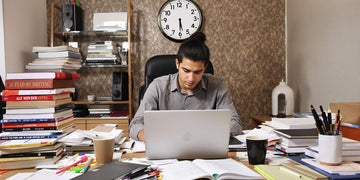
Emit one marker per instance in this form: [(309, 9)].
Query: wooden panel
[(81, 126)]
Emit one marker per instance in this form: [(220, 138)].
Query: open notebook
[(187, 134)]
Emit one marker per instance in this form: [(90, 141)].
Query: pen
[(84, 158), (317, 120), (337, 128), (323, 114), (291, 172), (87, 166)]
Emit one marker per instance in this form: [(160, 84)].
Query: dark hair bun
[(198, 36)]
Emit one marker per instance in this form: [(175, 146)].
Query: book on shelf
[(206, 169), (297, 133), (51, 60), (28, 162), (36, 49), (13, 84), (57, 102), (17, 150), (37, 91), (291, 150), (52, 70), (77, 64), (59, 54), (43, 75), (36, 97), (45, 67), (58, 115), (291, 123)]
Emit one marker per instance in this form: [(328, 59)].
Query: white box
[(110, 21)]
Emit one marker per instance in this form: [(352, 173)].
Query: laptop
[(187, 134)]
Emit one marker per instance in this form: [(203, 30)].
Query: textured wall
[(246, 39)]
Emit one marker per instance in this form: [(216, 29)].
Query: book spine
[(25, 125), (3, 160), (28, 98), (29, 129), (46, 154), (28, 92), (37, 83), (27, 120), (29, 137), (66, 75)]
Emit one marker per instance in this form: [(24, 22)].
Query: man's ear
[(177, 63)]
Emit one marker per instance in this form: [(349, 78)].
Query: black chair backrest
[(163, 65)]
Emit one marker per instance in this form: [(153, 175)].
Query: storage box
[(350, 111)]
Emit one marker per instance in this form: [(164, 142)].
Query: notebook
[(187, 134)]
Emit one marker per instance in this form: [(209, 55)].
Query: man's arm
[(224, 101)]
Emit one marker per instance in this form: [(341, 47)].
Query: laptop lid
[(187, 134)]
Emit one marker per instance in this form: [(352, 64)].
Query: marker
[(84, 158), (87, 166), (317, 120), (323, 114)]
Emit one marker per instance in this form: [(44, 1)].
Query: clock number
[(173, 31), (187, 31), (195, 18), (187, 6), (167, 13), (172, 6), (165, 20), (180, 34), (193, 11), (179, 4), (193, 25), (167, 27)]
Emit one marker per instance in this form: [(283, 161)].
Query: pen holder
[(330, 149)]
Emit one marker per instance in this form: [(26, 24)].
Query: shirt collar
[(174, 84)]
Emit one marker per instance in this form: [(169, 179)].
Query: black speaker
[(120, 90), (72, 17)]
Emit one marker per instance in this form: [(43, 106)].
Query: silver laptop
[(187, 134)]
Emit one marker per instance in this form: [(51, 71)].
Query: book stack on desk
[(38, 112), (55, 59), (294, 141)]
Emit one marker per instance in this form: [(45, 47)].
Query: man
[(190, 88)]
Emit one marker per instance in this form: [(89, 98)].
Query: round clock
[(179, 19)]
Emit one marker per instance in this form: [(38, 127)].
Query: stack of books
[(38, 108), (55, 59), (350, 150), (99, 110), (101, 53), (295, 141)]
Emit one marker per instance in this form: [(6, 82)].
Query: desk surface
[(125, 156)]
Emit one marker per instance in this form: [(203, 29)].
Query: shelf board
[(78, 35), (104, 65), (99, 102)]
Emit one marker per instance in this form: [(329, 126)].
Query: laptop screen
[(187, 134)]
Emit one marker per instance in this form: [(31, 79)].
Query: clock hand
[(180, 25)]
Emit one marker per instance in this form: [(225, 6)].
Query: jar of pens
[(330, 137)]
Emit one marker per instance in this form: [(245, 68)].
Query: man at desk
[(189, 88)]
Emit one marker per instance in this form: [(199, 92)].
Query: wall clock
[(179, 19)]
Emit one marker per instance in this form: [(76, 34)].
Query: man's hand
[(141, 135)]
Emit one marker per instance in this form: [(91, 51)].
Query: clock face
[(179, 19)]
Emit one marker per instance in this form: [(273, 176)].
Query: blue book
[(330, 176), (19, 137)]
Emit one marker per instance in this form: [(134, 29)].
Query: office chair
[(161, 65)]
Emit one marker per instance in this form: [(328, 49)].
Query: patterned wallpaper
[(246, 39)]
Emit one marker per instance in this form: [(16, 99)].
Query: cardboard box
[(350, 111)]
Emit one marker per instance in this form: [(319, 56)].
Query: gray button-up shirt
[(165, 94)]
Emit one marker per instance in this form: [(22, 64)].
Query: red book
[(43, 75), (37, 91), (36, 97), (38, 83)]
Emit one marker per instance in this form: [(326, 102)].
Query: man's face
[(190, 73)]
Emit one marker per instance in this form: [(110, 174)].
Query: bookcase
[(97, 80)]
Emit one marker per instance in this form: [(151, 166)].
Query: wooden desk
[(256, 120)]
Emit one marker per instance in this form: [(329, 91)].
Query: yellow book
[(27, 143), (272, 172)]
